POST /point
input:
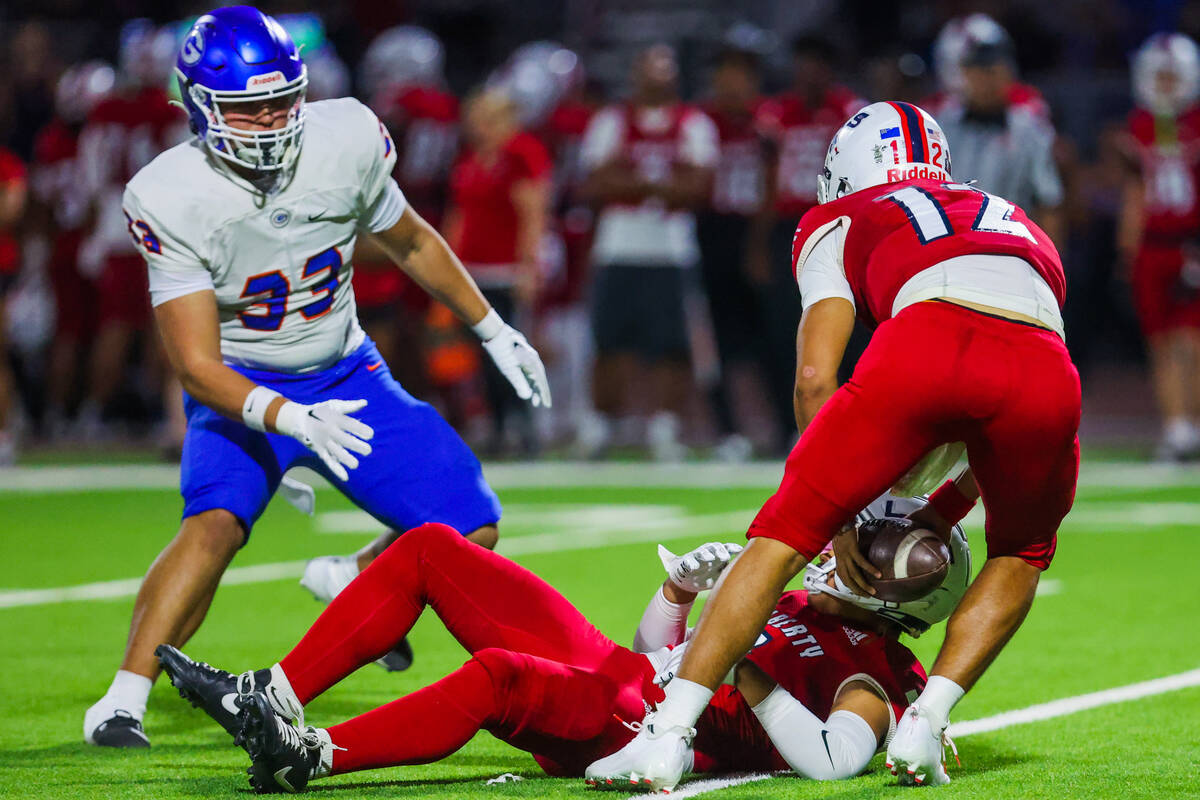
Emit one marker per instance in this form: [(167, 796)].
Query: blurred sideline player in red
[(499, 204), (798, 124), (402, 77), (728, 230), (557, 103), (122, 134), (62, 214), (649, 163), (1160, 219), (820, 694), (964, 295), (13, 196)]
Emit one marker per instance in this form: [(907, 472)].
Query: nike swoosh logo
[(320, 216), (228, 702), (825, 741), (281, 778), (375, 366)]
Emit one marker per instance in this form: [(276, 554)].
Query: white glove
[(666, 673), (515, 358), (327, 430), (698, 570)]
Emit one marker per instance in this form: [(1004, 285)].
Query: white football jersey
[(280, 264)]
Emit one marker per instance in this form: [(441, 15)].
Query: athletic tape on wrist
[(255, 408), (950, 503), (488, 327)]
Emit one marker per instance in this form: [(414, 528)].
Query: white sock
[(1180, 432), (128, 692), (684, 702), (938, 699)]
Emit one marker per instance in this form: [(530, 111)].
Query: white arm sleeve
[(822, 275), (387, 209), (699, 141), (664, 623), (602, 140), (166, 285), (835, 749)]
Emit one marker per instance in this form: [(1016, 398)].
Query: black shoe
[(120, 730), (283, 758), (398, 659), (213, 691)]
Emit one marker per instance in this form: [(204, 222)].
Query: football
[(913, 560)]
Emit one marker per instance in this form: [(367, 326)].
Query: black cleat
[(398, 659), (120, 730), (213, 691), (283, 758)]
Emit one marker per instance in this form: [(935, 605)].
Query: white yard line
[(1072, 705), (561, 474), (698, 526), (1007, 719)]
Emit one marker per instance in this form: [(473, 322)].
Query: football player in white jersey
[(248, 231)]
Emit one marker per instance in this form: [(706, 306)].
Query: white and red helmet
[(405, 55), (883, 143), (914, 616), (1174, 55)]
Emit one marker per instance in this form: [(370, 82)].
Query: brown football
[(913, 560)]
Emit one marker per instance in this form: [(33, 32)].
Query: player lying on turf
[(543, 679), (248, 232), (964, 294)]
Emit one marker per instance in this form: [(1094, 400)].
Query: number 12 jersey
[(889, 234)]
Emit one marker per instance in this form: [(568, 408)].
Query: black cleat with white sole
[(282, 757), (399, 658), (213, 691), (122, 729)]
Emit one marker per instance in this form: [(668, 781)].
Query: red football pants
[(541, 677), (939, 373)]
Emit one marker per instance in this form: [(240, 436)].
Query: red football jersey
[(562, 134), (802, 135), (124, 132), (54, 175), (423, 121), (896, 230), (12, 173), (811, 655), (482, 193), (739, 179), (1169, 152)]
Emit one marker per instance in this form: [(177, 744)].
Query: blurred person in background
[(500, 199), (726, 229), (799, 124), (1001, 127), (61, 214), (13, 194), (401, 76), (1160, 220), (123, 133), (557, 101), (30, 73), (649, 163)]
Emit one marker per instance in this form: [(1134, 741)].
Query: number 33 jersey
[(279, 264), (891, 233)]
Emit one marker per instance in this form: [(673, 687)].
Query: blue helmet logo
[(193, 47)]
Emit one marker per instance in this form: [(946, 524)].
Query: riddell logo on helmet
[(917, 171), (269, 79)]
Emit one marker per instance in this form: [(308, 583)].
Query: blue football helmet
[(240, 55)]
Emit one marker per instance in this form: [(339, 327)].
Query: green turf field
[(1121, 607)]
